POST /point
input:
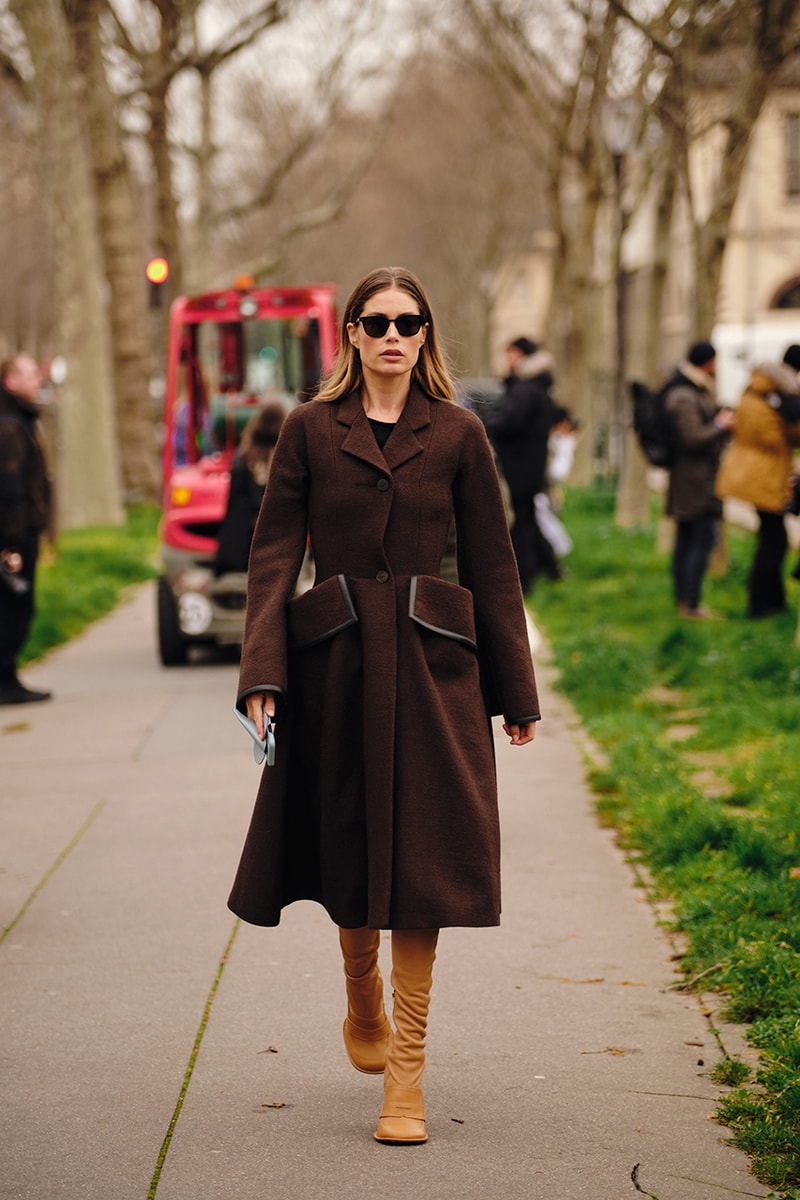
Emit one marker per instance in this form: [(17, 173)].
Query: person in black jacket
[(25, 512), (519, 428), (249, 474)]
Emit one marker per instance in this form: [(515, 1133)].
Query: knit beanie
[(701, 353), (525, 345)]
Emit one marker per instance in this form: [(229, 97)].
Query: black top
[(381, 429)]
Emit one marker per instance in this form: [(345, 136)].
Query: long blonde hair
[(430, 372)]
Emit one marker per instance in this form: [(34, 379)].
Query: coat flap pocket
[(320, 613), (443, 607)]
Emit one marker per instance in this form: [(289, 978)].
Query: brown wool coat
[(382, 803)]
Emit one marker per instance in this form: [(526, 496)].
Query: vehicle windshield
[(228, 369)]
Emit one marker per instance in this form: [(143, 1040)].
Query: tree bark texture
[(124, 256), (87, 470)]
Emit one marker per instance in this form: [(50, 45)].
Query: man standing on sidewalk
[(519, 428), (700, 432), (25, 511)]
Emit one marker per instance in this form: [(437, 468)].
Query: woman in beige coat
[(382, 803), (757, 468)]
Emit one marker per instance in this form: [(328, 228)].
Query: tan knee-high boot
[(366, 1027), (402, 1117)]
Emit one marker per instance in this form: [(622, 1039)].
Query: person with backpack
[(700, 430), (758, 468)]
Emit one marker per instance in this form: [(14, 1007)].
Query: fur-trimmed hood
[(540, 363), (700, 379), (773, 377)]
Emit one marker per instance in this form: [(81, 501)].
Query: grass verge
[(86, 575), (700, 725)]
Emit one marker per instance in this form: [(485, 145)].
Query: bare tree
[(26, 309), (558, 62), (88, 479), (304, 142), (449, 193), (120, 234), (715, 64), (761, 34)]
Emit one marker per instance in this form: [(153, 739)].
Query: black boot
[(14, 692)]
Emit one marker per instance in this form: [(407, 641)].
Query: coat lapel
[(403, 444), (359, 440)]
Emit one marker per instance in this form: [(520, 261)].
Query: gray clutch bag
[(263, 748)]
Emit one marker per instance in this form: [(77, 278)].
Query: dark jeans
[(765, 585), (694, 541), (533, 552), (16, 613)]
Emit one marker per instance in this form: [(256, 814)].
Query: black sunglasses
[(407, 324)]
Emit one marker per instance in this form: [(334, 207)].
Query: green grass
[(84, 578), (715, 816)]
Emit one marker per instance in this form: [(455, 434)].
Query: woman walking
[(383, 677)]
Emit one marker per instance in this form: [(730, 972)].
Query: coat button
[(382, 576), (382, 485)]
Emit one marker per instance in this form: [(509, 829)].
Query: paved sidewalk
[(155, 1049)]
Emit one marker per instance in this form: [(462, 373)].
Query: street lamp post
[(620, 119)]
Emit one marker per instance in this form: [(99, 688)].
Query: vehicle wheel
[(172, 646)]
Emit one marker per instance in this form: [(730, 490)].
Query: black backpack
[(653, 426)]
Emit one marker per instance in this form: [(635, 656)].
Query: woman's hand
[(259, 703), (520, 735), (13, 560)]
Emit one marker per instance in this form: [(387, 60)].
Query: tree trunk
[(633, 496), (202, 256), (118, 228), (573, 310), (87, 468)]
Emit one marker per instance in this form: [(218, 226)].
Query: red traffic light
[(157, 270)]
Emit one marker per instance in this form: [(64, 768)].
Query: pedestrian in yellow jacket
[(757, 468)]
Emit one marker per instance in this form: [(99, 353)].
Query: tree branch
[(10, 72), (327, 211)]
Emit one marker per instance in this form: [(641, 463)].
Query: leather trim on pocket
[(320, 613), (444, 608)]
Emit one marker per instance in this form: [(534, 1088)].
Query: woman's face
[(391, 354)]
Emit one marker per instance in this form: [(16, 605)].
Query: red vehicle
[(228, 352)]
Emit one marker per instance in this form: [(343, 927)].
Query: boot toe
[(400, 1131), (402, 1118)]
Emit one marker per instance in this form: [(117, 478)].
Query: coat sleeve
[(487, 566), (276, 555), (13, 507)]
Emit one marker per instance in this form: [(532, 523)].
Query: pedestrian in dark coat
[(700, 430), (382, 801), (519, 426), (249, 474), (25, 514)]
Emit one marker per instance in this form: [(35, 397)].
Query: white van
[(740, 347)]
